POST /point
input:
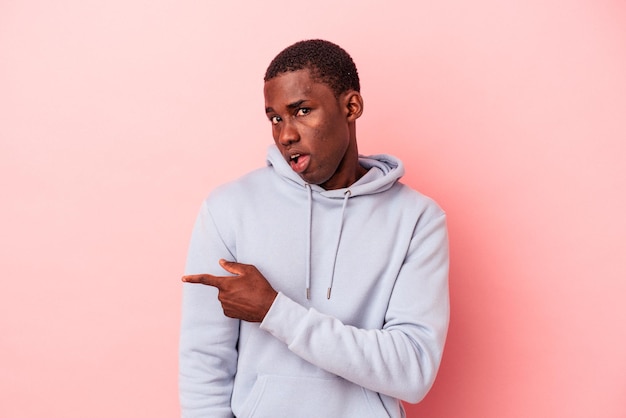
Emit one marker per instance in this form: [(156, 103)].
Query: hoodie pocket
[(309, 397)]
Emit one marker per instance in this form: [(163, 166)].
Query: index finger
[(206, 279)]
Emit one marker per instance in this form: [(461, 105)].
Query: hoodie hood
[(382, 173), (388, 170)]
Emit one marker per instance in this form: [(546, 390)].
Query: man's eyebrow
[(293, 105)]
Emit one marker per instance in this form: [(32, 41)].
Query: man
[(318, 285)]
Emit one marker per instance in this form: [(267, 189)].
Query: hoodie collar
[(387, 170)]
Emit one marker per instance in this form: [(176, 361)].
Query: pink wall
[(117, 117)]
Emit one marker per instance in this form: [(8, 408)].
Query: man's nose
[(288, 134)]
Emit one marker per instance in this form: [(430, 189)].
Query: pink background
[(118, 117)]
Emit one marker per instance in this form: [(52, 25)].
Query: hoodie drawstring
[(346, 195), (308, 243)]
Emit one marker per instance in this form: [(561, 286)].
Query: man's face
[(310, 127)]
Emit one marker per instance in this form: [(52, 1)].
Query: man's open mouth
[(299, 162)]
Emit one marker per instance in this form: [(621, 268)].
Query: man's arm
[(400, 360), (208, 339)]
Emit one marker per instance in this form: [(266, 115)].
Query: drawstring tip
[(328, 293), (308, 293)]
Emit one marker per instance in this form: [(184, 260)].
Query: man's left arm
[(400, 360)]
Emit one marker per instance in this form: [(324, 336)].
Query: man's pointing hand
[(247, 295)]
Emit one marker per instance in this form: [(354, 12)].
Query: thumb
[(233, 267)]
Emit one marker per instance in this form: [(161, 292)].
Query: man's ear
[(354, 105)]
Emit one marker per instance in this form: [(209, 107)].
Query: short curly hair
[(327, 62)]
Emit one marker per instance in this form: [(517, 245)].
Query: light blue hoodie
[(362, 312)]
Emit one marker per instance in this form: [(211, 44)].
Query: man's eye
[(275, 120), (303, 111)]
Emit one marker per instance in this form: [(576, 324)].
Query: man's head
[(327, 63), (312, 100)]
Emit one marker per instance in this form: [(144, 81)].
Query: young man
[(318, 285)]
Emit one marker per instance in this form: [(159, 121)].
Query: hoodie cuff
[(284, 318)]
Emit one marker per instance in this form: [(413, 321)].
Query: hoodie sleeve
[(401, 359), (208, 351)]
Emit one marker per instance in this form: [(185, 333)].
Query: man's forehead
[(294, 85), (300, 79)]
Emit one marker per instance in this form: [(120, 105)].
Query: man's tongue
[(299, 164)]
